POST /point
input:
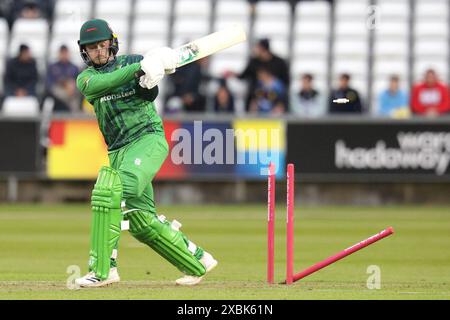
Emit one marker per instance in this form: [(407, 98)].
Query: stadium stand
[(323, 38)]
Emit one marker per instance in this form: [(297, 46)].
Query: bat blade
[(210, 44), (207, 45)]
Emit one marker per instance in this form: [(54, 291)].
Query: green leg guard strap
[(169, 243), (106, 218)]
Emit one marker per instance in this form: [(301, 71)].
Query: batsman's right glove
[(154, 71)]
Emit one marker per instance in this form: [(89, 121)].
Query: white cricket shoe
[(91, 281), (208, 261)]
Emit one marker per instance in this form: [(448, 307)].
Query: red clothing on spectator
[(426, 97)]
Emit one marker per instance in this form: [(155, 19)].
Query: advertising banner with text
[(385, 152)]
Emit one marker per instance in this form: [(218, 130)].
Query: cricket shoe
[(91, 281), (208, 261)]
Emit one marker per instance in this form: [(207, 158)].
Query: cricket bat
[(208, 45)]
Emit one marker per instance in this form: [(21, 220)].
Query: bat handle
[(139, 74)]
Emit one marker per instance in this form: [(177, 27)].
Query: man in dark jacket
[(263, 58), (345, 91), (21, 74)]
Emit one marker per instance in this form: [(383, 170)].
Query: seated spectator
[(345, 91), (393, 102), (31, 9), (223, 100), (430, 97), (307, 102), (61, 83), (270, 94), (21, 74), (185, 95), (262, 57)]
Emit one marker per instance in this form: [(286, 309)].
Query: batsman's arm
[(93, 84)]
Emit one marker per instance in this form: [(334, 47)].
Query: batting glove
[(154, 71), (168, 57)]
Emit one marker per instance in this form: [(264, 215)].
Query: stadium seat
[(143, 44), (393, 10), (2, 72), (431, 38), (312, 29), (4, 34), (349, 9), (439, 65), (272, 19), (197, 8), (229, 12), (34, 33), (222, 23), (355, 67), (30, 27), (154, 8), (191, 20), (120, 26), (392, 31), (272, 9), (67, 34), (426, 29), (156, 26), (220, 64), (190, 28), (72, 45), (311, 48), (391, 48), (351, 29), (384, 68), (431, 48), (314, 10), (317, 67), (432, 9), (351, 48), (113, 9), (233, 8), (73, 11), (279, 46), (20, 107), (271, 28)]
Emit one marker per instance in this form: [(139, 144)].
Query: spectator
[(430, 97), (345, 91), (30, 9), (21, 74), (308, 102), (270, 94), (392, 102), (223, 100), (186, 94), (61, 82), (263, 57)]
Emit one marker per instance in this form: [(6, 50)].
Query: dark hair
[(264, 43), (308, 76), (31, 4), (394, 77), (23, 47), (345, 76), (63, 48)]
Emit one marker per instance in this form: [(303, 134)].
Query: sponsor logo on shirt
[(118, 95)]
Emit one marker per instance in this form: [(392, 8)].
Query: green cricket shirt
[(125, 111)]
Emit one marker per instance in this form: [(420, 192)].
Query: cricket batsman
[(123, 101)]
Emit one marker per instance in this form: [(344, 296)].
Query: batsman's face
[(99, 51)]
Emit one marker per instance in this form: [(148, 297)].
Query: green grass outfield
[(39, 242)]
